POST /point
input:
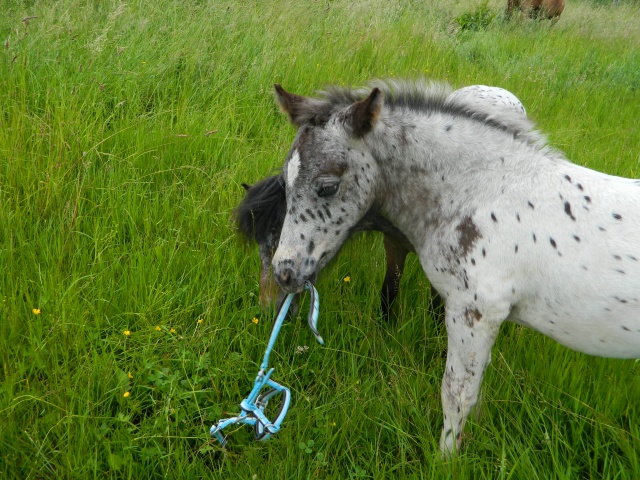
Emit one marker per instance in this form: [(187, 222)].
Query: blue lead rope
[(253, 407)]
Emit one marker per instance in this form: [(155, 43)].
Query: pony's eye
[(328, 189), (328, 186)]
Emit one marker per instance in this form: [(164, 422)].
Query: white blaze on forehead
[(293, 168)]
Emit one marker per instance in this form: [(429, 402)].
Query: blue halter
[(253, 407)]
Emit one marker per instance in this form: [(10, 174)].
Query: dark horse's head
[(330, 181), (259, 217)]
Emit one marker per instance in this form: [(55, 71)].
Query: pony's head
[(330, 180)]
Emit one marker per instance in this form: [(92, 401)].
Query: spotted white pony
[(505, 227), (261, 213)]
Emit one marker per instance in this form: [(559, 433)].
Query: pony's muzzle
[(291, 279)]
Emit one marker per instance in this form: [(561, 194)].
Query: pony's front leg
[(470, 338)]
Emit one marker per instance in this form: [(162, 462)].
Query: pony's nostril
[(285, 277)]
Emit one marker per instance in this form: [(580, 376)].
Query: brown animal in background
[(550, 9)]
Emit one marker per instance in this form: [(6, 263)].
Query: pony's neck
[(405, 193), (437, 168)]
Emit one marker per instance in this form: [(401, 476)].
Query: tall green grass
[(125, 132)]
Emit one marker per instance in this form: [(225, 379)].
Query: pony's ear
[(295, 106), (361, 117)]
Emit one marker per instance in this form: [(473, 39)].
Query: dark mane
[(419, 96), (425, 97), (261, 213)]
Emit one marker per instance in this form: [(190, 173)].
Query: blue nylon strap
[(252, 408), (312, 319), (276, 330)]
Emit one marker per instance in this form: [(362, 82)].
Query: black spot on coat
[(567, 210)]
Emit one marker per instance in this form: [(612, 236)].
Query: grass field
[(127, 301)]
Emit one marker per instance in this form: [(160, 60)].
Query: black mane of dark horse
[(260, 216), (261, 213)]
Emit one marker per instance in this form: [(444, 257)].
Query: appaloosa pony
[(505, 227), (261, 213)]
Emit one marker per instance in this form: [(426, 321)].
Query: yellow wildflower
[(129, 375), (127, 333), (200, 320), (347, 279), (126, 394), (173, 330), (36, 311), (158, 328), (255, 320)]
